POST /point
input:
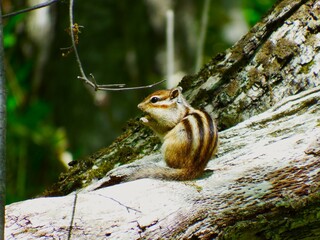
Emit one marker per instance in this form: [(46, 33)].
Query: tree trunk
[(3, 121), (264, 183)]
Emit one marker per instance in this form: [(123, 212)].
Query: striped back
[(194, 141), (202, 137)]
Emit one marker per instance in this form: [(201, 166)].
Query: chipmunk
[(189, 136)]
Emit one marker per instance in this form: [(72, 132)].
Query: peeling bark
[(265, 181), (278, 58)]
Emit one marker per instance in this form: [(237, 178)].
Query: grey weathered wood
[(267, 169), (277, 58), (263, 184)]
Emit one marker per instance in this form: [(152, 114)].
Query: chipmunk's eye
[(154, 99)]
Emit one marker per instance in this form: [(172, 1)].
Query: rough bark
[(276, 59), (263, 184)]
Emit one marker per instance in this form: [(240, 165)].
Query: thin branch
[(92, 83), (73, 42), (72, 215), (116, 87), (40, 5), (121, 204)]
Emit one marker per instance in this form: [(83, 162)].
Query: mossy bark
[(264, 184), (264, 94), (277, 58)]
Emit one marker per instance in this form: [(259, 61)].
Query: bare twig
[(92, 83), (121, 204), (40, 5), (72, 215)]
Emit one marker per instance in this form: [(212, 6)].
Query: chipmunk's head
[(164, 107)]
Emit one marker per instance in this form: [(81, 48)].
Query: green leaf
[(9, 40)]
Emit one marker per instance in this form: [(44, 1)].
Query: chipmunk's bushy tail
[(164, 173)]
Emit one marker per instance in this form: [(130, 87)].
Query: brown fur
[(190, 137)]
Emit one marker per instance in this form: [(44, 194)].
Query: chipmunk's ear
[(175, 92)]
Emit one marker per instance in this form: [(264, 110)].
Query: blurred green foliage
[(254, 10), (34, 143), (118, 44)]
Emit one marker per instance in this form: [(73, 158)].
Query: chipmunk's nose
[(140, 106)]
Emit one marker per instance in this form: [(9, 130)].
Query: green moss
[(233, 88), (224, 99), (99, 172), (136, 141), (305, 69), (229, 117)]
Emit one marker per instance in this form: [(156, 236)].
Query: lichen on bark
[(279, 57)]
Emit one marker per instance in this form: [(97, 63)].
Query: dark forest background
[(52, 117)]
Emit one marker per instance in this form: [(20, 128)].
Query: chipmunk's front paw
[(146, 120)]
